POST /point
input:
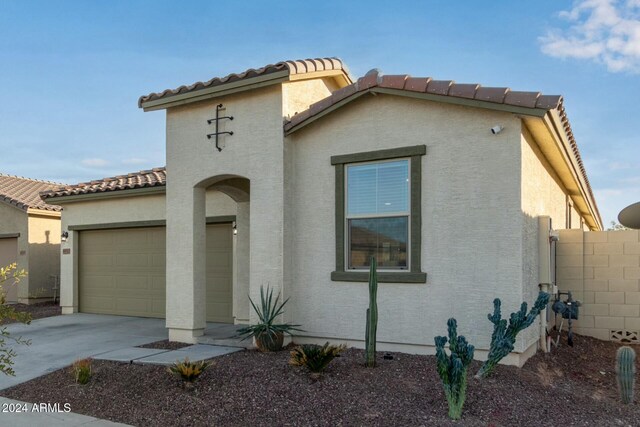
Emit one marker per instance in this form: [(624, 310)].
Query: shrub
[(267, 333), (82, 370), (8, 312), (452, 368), (504, 337), (187, 370), (314, 357)]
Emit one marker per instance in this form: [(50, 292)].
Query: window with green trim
[(378, 213)]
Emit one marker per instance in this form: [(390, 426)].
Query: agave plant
[(316, 358), (187, 370), (268, 334)]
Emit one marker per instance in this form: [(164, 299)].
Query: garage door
[(123, 272), (8, 255)]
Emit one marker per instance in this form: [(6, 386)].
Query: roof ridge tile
[(298, 66)]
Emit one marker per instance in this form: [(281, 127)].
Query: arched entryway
[(200, 229)]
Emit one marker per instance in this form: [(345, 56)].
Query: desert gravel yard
[(37, 311), (571, 387)]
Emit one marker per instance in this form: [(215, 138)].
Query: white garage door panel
[(123, 272)]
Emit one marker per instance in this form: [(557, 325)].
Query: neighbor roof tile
[(147, 178), (24, 193)]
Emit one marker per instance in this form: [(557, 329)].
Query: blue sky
[(71, 71)]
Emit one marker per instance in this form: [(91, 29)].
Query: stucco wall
[(471, 236), (542, 194), (299, 95), (602, 269), (14, 220), (254, 152), (44, 255)]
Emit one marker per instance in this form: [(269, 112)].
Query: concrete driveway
[(57, 341)]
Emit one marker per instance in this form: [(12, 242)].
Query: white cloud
[(605, 31), (134, 161), (94, 162)]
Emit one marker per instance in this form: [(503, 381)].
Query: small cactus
[(452, 367), (504, 334), (372, 316), (626, 371)]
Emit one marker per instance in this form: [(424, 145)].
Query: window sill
[(383, 277)]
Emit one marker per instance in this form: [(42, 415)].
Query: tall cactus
[(453, 368), (626, 371), (504, 337), (372, 316)]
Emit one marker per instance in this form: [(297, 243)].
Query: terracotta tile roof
[(300, 66), (24, 193), (448, 88), (147, 178)]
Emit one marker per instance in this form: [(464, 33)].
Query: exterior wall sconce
[(235, 229), (64, 236)]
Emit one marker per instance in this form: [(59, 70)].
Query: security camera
[(496, 129)]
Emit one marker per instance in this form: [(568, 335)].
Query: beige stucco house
[(293, 174), (30, 237)]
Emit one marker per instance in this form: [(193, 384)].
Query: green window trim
[(414, 275)]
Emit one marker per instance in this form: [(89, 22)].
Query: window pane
[(393, 187), (378, 188), (384, 238), (361, 190)]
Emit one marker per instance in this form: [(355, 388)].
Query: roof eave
[(129, 192), (553, 123), (44, 212), (536, 112), (13, 203), (216, 91)]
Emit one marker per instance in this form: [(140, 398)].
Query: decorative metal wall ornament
[(217, 120)]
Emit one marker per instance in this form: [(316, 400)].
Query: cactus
[(453, 368), (372, 316), (626, 371), (504, 337)]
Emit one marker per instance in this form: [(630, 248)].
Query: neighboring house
[(314, 173), (29, 236)]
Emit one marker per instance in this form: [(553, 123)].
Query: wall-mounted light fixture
[(64, 236), (235, 229), (497, 129)]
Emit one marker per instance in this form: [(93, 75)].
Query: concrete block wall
[(602, 269)]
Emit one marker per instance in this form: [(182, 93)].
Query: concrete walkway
[(57, 341), (152, 356), (33, 418)]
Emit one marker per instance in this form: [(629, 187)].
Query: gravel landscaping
[(165, 345), (570, 387), (37, 311)]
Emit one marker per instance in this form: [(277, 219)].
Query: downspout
[(544, 287), (545, 275)]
